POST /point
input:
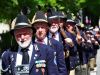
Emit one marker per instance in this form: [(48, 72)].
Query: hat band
[(22, 24), (62, 16), (40, 20), (53, 17)]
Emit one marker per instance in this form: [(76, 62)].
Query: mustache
[(40, 33), (53, 27), (22, 40)]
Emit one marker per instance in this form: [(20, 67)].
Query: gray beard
[(53, 30), (24, 44)]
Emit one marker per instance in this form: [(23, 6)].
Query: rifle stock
[(63, 33), (77, 30)]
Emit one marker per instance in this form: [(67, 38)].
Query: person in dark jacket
[(29, 58), (40, 23)]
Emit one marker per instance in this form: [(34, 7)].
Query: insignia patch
[(22, 69), (40, 63), (36, 47)]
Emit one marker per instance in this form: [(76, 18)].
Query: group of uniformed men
[(50, 44)]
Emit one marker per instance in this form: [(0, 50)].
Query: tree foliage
[(10, 8)]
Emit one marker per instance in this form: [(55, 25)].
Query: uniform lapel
[(60, 38), (32, 62), (13, 60), (35, 55)]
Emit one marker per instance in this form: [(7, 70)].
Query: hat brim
[(58, 18), (40, 20), (19, 27), (63, 17), (72, 23), (52, 17)]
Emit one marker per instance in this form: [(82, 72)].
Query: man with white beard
[(15, 60), (54, 30), (29, 58), (55, 19)]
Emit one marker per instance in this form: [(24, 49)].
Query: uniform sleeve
[(5, 63), (51, 66), (60, 60)]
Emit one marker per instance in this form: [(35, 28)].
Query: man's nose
[(40, 29), (54, 24), (22, 36)]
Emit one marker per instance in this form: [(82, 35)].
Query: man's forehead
[(23, 29), (54, 19), (70, 23), (40, 24)]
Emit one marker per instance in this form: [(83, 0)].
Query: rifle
[(78, 33), (67, 52), (85, 37), (77, 30), (71, 44)]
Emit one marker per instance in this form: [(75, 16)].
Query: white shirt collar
[(19, 54), (44, 40), (56, 35)]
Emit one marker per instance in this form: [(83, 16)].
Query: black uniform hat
[(19, 22), (52, 14), (39, 17), (62, 15), (55, 14), (70, 21)]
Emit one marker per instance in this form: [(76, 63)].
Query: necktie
[(25, 56), (40, 41), (53, 36)]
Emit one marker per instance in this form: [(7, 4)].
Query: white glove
[(89, 41), (69, 42)]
